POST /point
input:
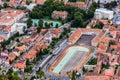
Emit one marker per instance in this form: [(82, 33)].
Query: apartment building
[(59, 15), (10, 16), (103, 13)]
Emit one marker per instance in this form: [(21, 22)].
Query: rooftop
[(8, 14), (97, 78), (104, 10)]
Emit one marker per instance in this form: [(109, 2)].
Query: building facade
[(102, 13), (59, 15)]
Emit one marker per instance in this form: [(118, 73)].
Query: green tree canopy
[(29, 22), (5, 5), (92, 9)]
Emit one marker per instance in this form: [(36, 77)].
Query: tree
[(51, 24), (3, 77), (77, 22), (42, 11), (56, 26), (0, 7), (29, 22), (78, 19), (5, 5), (47, 25), (73, 75), (40, 23), (17, 40), (98, 26), (111, 42), (28, 2), (36, 13), (40, 73), (24, 30), (21, 7), (14, 76), (25, 79), (110, 5), (113, 3), (92, 9)]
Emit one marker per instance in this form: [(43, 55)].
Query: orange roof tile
[(109, 72), (102, 46), (11, 57), (113, 46), (106, 39), (40, 1), (43, 31), (25, 40), (44, 47), (1, 38), (98, 37), (9, 14), (7, 28), (75, 35), (80, 3), (60, 12), (56, 31), (39, 37), (19, 65), (30, 54), (97, 78), (20, 48)]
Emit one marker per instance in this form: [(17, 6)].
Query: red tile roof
[(56, 31), (109, 72), (97, 78), (40, 1), (20, 48), (75, 35), (19, 65), (1, 38)]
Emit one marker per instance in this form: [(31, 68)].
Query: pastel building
[(79, 4), (102, 13), (76, 35), (59, 14), (15, 2)]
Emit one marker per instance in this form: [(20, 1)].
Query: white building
[(31, 6), (18, 27), (8, 31), (6, 34), (106, 1), (102, 13)]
